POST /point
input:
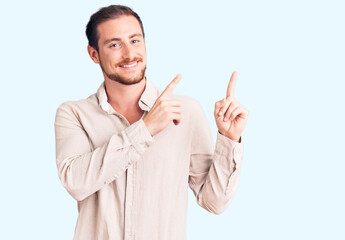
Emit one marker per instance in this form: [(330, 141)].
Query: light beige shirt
[(130, 185)]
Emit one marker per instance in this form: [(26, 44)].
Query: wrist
[(234, 139), (148, 126), (238, 140)]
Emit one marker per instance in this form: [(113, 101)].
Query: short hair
[(104, 14)]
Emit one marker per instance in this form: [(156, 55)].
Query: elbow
[(76, 189), (218, 211), (77, 194), (216, 206)]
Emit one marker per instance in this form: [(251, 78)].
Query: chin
[(128, 81)]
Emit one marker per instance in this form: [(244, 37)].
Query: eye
[(114, 45), (135, 41)]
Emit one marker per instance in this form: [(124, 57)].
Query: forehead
[(121, 27)]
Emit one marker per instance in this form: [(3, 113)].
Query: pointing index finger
[(168, 90), (231, 86)]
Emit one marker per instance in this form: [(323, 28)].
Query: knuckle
[(227, 98)]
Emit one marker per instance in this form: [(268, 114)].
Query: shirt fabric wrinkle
[(125, 180)]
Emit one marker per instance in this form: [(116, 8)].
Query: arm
[(213, 176), (216, 186), (83, 170)]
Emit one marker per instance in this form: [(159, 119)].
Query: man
[(128, 152)]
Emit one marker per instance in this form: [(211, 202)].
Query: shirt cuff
[(225, 145), (139, 136)]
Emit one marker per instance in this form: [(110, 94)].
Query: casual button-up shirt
[(130, 185)]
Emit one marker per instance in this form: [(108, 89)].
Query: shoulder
[(195, 119), (190, 106), (188, 102), (75, 106)]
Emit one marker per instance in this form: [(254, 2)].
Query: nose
[(127, 52)]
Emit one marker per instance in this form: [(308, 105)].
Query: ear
[(93, 54)]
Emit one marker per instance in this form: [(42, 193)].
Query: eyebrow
[(136, 35), (118, 39)]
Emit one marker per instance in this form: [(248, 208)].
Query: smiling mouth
[(129, 65)]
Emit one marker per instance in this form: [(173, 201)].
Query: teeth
[(131, 65)]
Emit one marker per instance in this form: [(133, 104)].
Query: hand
[(164, 110), (231, 117)]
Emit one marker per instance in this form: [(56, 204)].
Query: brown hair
[(104, 14)]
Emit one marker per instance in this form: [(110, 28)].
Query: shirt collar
[(146, 101)]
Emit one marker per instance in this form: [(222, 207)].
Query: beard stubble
[(125, 81)]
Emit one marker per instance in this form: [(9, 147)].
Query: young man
[(128, 152)]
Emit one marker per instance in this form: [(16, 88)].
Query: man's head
[(116, 42), (105, 14)]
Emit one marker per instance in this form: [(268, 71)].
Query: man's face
[(122, 52)]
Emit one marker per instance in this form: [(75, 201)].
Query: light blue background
[(290, 57)]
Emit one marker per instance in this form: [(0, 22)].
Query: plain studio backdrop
[(290, 60)]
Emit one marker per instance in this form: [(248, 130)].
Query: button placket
[(129, 204)]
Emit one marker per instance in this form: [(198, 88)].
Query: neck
[(124, 97)]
